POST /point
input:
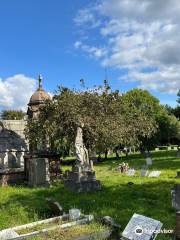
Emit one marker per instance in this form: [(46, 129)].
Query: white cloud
[(140, 36), (91, 50), (16, 91)]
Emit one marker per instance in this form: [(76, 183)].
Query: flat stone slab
[(131, 172), (141, 228), (8, 234), (155, 174)]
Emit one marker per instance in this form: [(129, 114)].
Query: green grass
[(148, 196)]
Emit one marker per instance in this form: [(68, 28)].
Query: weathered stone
[(82, 178), (11, 176), (176, 197), (74, 214), (148, 161), (141, 228), (131, 172), (155, 174), (8, 234), (55, 207), (144, 173), (178, 153), (38, 175)]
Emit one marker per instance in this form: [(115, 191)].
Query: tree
[(178, 100), (109, 120), (12, 115)]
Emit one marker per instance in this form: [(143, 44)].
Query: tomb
[(141, 228)]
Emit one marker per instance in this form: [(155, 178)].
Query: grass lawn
[(148, 196)]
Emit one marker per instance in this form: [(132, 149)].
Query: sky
[(132, 43)]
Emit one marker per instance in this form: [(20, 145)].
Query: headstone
[(131, 172), (38, 175), (82, 178), (141, 228), (8, 234), (178, 153), (74, 214), (144, 173), (176, 197), (148, 161), (55, 207), (155, 174)]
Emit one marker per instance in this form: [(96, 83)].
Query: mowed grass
[(148, 196)]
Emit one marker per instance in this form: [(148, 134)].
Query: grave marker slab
[(148, 161), (74, 214), (144, 173), (141, 228), (176, 197), (131, 172), (155, 174)]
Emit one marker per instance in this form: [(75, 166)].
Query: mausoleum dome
[(39, 96)]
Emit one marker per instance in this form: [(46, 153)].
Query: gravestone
[(74, 214), (155, 174), (55, 207), (149, 161), (176, 197), (141, 228), (144, 173), (131, 172), (178, 153), (38, 172), (82, 178)]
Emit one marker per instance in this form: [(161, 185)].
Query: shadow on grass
[(119, 201), (162, 160)]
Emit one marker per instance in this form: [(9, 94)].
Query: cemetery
[(54, 187)]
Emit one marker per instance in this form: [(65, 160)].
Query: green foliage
[(178, 100), (12, 115), (109, 119)]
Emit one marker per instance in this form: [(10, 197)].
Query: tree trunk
[(106, 154)]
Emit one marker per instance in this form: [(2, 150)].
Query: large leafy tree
[(109, 119)]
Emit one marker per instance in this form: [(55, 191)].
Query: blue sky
[(69, 40)]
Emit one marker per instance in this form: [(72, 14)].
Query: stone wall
[(12, 143)]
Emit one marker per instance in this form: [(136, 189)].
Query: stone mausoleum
[(13, 145)]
